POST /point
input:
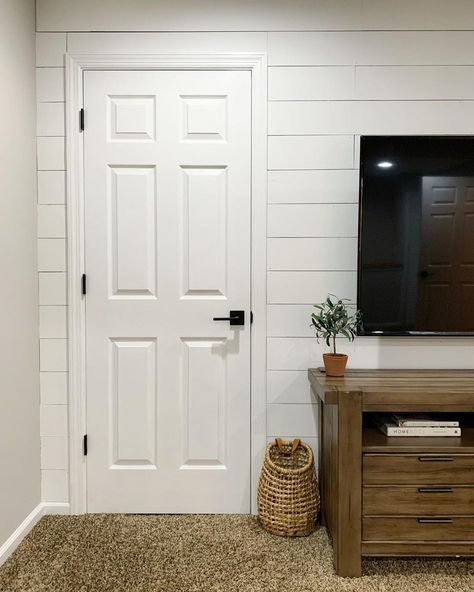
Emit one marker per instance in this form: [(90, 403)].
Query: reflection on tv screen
[(416, 240)]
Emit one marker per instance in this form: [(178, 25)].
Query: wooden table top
[(399, 390)]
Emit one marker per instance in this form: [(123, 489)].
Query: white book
[(422, 421), (392, 429)]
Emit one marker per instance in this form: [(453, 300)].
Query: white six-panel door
[(167, 248)]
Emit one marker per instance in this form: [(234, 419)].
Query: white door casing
[(76, 66), (167, 247)]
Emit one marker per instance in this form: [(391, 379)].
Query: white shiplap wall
[(50, 50), (325, 90)]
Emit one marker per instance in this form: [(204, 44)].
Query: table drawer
[(420, 528), (416, 500), (418, 468)]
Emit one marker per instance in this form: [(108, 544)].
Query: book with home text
[(390, 428)]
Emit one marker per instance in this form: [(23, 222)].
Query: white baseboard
[(26, 526), (56, 508), (18, 535)]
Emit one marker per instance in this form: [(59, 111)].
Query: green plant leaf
[(335, 317)]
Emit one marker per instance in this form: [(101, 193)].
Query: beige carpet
[(99, 553)]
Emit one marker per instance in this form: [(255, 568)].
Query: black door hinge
[(81, 120), (84, 284), (84, 445), (251, 317)]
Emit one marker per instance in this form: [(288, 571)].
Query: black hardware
[(236, 317), (84, 284), (435, 520), (84, 445), (81, 120), (435, 489), (424, 274), (251, 317), (435, 458)]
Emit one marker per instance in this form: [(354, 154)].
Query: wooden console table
[(385, 496)]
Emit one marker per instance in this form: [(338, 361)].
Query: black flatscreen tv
[(416, 235)]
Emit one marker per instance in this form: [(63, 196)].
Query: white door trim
[(256, 63)]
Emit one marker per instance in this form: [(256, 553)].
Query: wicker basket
[(288, 496)]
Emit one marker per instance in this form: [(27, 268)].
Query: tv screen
[(416, 235)]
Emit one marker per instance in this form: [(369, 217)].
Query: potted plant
[(333, 319)]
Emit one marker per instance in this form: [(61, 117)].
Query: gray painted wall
[(19, 372)]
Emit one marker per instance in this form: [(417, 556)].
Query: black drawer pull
[(435, 520), (435, 458), (435, 490)]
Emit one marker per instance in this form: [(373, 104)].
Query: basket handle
[(280, 443)]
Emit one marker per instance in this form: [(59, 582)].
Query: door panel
[(204, 231), (132, 229), (167, 248), (204, 417), (133, 402)]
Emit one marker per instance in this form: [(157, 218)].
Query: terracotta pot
[(335, 364)]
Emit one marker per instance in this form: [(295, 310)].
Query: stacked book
[(393, 424)]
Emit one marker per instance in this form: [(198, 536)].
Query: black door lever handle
[(236, 317)]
